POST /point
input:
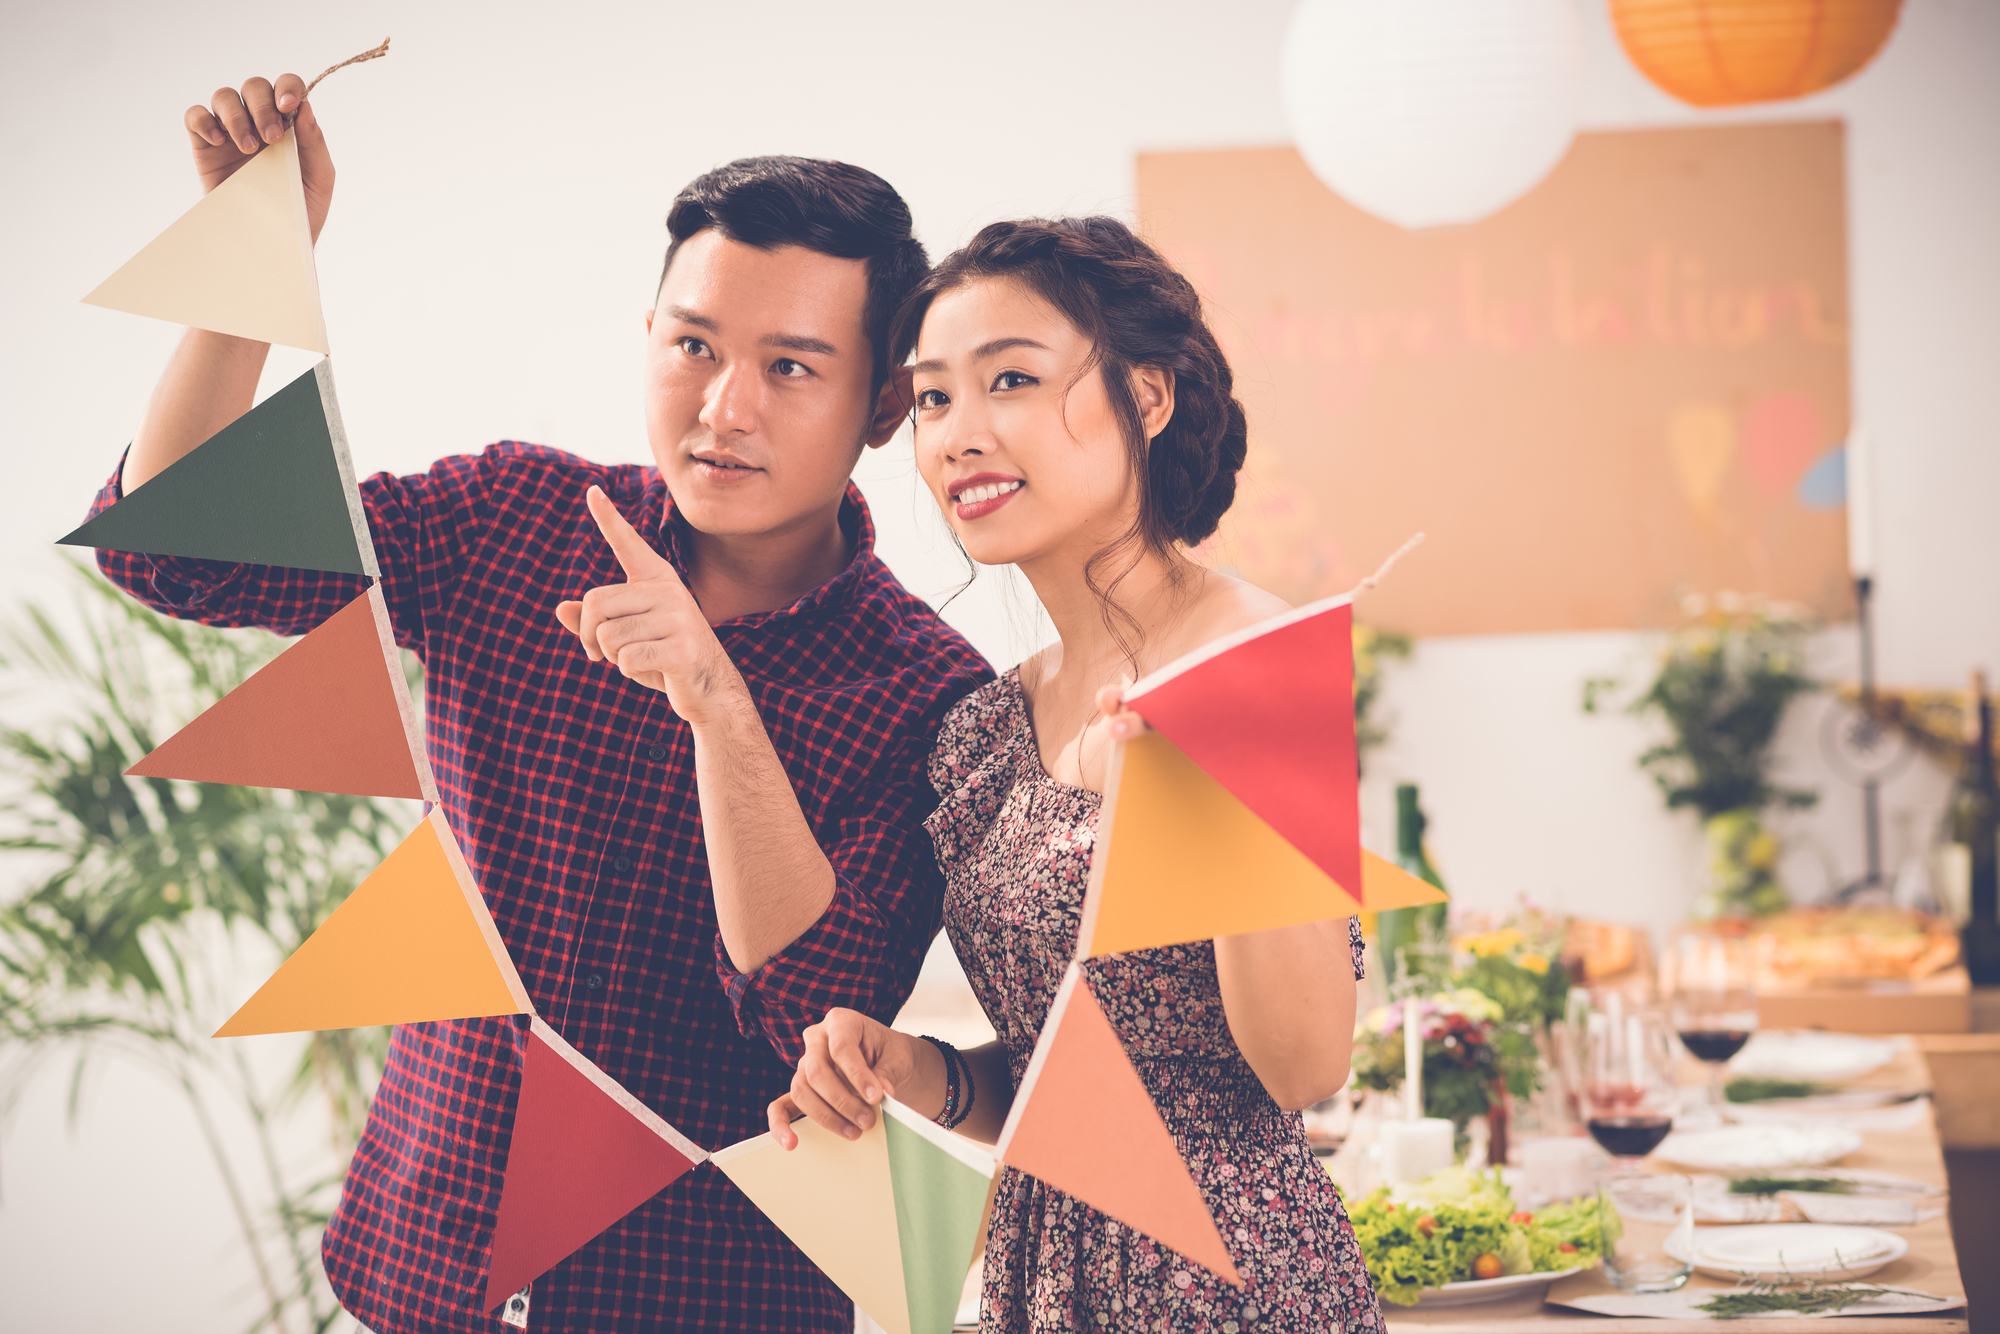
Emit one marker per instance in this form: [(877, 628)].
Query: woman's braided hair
[(1136, 310)]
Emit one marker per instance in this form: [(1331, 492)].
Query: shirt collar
[(855, 522)]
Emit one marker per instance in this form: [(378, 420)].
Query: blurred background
[(1657, 379)]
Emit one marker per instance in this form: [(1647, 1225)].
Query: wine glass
[(1629, 1089), (1714, 1002)]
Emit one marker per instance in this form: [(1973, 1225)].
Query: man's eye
[(931, 398), (790, 369), (1011, 380), (695, 347)]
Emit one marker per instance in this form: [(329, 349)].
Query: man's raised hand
[(237, 124), (650, 626)]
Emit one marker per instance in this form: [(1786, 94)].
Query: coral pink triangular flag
[(1268, 713), (329, 714), (584, 1154), (1083, 1122)]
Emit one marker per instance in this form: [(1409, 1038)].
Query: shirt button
[(594, 981), (656, 753), (623, 863)]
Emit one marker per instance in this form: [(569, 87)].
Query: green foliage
[(1809, 1298), (1373, 649), (1747, 1088), (1722, 687), (135, 896), (1434, 1236)]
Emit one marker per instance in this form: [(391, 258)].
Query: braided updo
[(1136, 310)]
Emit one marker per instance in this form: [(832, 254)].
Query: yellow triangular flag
[(239, 262), (1385, 885), (413, 943), (1180, 859), (834, 1199)]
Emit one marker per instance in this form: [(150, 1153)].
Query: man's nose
[(731, 405)]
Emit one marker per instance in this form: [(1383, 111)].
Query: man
[(653, 696)]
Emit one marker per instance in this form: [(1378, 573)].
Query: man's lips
[(721, 465)]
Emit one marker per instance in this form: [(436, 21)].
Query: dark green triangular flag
[(274, 487), (940, 1184)]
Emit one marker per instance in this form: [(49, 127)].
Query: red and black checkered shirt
[(572, 790)]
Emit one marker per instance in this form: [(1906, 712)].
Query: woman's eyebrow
[(933, 365)]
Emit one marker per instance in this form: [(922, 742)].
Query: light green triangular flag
[(940, 1183)]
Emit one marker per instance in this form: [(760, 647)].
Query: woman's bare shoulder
[(1222, 604)]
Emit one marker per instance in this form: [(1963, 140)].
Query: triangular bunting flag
[(1083, 1122), (329, 714), (1179, 858), (274, 487), (833, 1197), (412, 943), (1268, 712), (239, 262), (584, 1154), (1385, 885), (942, 1183)]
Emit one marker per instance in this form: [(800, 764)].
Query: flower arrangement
[(1722, 685), (1471, 1052), (1517, 964)]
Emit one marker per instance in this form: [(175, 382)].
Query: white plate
[(1782, 1252), (1759, 1147), (1818, 1058), (1479, 1291)]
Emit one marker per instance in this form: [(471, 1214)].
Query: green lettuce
[(1473, 1215)]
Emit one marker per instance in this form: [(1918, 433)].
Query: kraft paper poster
[(1180, 858), (239, 262), (1083, 1123), (1616, 388), (413, 943), (274, 487), (941, 1183), (834, 1199), (329, 714), (584, 1154), (1268, 712)]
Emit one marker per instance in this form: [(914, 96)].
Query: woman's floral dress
[(1015, 846)]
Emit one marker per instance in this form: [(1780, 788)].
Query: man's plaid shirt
[(572, 790)]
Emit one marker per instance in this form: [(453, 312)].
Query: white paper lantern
[(1428, 112)]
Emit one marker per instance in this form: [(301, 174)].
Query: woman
[(1074, 417)]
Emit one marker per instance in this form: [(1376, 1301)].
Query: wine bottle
[(1401, 927), (1971, 841)]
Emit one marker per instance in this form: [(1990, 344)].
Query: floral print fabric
[(1015, 847)]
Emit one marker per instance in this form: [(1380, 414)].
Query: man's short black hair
[(830, 207)]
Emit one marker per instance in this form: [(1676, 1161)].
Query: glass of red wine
[(1629, 1089), (1714, 1002)]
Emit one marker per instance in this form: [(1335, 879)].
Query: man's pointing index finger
[(639, 560)]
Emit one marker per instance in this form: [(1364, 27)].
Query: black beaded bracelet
[(954, 1112)]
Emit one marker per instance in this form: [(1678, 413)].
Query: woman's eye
[(1011, 380), (790, 369), (695, 347), (931, 398)]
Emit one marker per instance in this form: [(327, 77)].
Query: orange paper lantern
[(1718, 53)]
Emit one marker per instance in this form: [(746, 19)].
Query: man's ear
[(892, 408), (1153, 388)]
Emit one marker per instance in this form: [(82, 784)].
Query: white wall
[(497, 229)]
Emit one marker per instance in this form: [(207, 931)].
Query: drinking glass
[(1642, 1219), (1714, 1002), (1629, 1090)]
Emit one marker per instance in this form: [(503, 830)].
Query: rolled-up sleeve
[(865, 950)]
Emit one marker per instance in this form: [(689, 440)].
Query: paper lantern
[(1428, 112), (1718, 53)]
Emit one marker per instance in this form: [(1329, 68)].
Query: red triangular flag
[(1083, 1122), (584, 1154), (1268, 712), (329, 714)]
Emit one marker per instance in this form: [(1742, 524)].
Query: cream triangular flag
[(239, 262)]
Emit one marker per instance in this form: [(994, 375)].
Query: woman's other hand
[(1125, 724), (851, 1063)]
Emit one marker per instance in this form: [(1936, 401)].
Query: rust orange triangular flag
[(412, 943), (1179, 858), (1083, 1122), (1268, 712), (584, 1153), (329, 714)]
